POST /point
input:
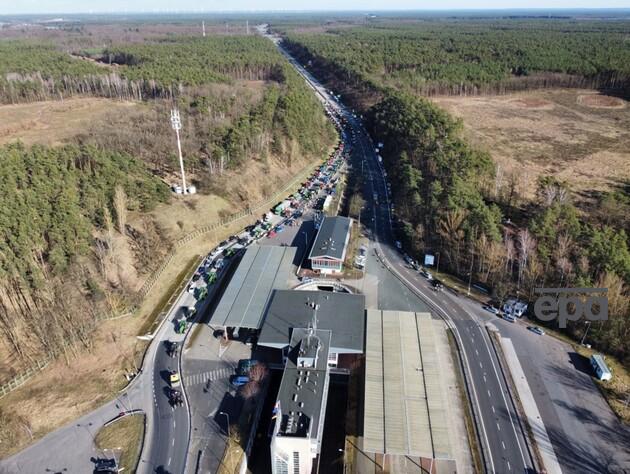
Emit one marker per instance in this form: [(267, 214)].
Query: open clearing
[(54, 122), (579, 136)]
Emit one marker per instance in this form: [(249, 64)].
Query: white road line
[(509, 467), (169, 461), (173, 442), (493, 409), (489, 393), (498, 427), (476, 352), (484, 378), (480, 365), (503, 444)]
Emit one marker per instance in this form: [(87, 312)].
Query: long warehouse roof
[(404, 398), (261, 270)]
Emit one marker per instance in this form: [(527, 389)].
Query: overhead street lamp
[(228, 421)]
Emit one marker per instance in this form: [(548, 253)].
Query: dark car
[(437, 285)]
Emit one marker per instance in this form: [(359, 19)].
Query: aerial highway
[(501, 433)]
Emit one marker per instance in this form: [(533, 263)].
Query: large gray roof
[(303, 390), (261, 270), (405, 396), (342, 313), (331, 238)]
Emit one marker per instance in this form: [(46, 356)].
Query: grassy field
[(54, 122), (123, 437), (579, 136)]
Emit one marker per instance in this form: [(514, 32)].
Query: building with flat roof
[(262, 270), (331, 243), (341, 313), (406, 397), (301, 404)]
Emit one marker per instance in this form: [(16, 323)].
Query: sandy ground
[(53, 122), (579, 136)]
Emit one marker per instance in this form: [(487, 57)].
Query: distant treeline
[(37, 71), (459, 57)]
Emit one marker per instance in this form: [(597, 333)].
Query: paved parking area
[(206, 369)]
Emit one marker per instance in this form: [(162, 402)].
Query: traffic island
[(121, 439)]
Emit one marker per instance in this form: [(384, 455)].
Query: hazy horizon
[(52, 7)]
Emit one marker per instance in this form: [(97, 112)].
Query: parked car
[(239, 380), (509, 317), (425, 273), (537, 330), (491, 308), (437, 285)]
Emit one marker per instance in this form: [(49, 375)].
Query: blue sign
[(429, 260)]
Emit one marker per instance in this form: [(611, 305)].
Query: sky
[(8, 7)]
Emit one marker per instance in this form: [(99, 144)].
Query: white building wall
[(288, 452)]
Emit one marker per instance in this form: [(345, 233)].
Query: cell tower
[(203, 28), (176, 123), (247, 25)]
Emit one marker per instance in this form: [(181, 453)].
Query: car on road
[(173, 379), (398, 245), (437, 285), (175, 398), (537, 330), (426, 273), (171, 348)]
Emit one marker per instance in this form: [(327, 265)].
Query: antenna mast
[(176, 123), (203, 28), (247, 25)]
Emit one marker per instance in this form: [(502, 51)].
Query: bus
[(600, 368)]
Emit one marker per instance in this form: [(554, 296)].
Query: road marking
[(480, 365), (169, 461), (493, 409), (484, 378), (509, 467), (489, 393), (503, 444), (476, 352), (498, 427), (173, 442)]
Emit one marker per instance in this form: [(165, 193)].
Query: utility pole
[(176, 123), (203, 28), (247, 26)]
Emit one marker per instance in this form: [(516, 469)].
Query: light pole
[(176, 123), (228, 421), (585, 332)]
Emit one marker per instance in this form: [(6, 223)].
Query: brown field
[(579, 136), (54, 122)]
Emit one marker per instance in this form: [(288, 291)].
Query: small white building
[(331, 243)]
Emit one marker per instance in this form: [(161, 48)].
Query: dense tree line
[(460, 57), (446, 196), (54, 201), (444, 206)]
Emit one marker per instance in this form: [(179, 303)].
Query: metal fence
[(22, 378)]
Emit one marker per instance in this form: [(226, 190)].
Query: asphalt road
[(501, 433)]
